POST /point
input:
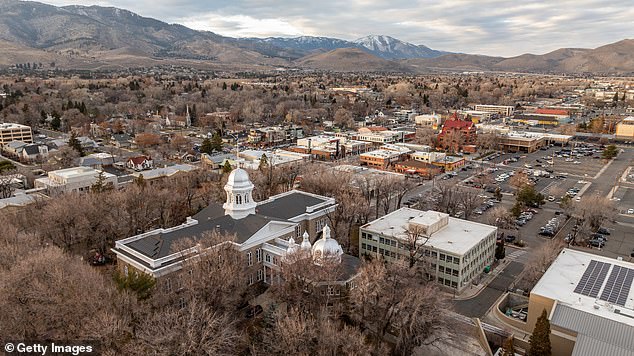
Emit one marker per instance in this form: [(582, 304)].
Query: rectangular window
[(298, 230), (442, 256), (249, 259), (456, 260), (381, 251), (434, 254), (374, 249), (258, 255), (168, 284), (250, 278), (363, 246), (182, 303), (364, 235), (454, 284), (393, 243), (268, 258), (441, 269), (381, 240)]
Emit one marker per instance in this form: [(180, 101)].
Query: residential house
[(121, 140), (140, 163)]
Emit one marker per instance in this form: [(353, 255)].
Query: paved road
[(479, 305)]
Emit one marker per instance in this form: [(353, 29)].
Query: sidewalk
[(473, 291)]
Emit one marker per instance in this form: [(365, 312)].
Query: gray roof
[(288, 206), (32, 149), (165, 244), (587, 346), (121, 137), (349, 266), (597, 328)]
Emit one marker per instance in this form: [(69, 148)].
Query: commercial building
[(378, 138), (625, 128), (520, 142), (380, 158), (496, 109), (589, 302), (76, 179), (274, 135), (456, 134), (417, 168), (455, 251), (15, 132), (428, 120)]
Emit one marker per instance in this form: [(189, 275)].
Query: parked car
[(596, 243), (603, 231)]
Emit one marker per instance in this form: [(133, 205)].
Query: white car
[(630, 211), (528, 166)]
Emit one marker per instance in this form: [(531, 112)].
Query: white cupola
[(292, 246), (306, 246), (326, 248), (239, 202)]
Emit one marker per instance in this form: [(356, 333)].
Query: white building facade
[(455, 251)]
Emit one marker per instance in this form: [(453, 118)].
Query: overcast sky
[(492, 27)]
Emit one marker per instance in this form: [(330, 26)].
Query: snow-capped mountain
[(391, 48), (308, 43), (385, 47)]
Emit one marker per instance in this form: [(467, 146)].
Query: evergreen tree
[(500, 252), (207, 146), (224, 86), (509, 348), (216, 142), (498, 194), (140, 181), (140, 283), (100, 184), (227, 167), (74, 143), (264, 162), (610, 152), (56, 123), (540, 340)]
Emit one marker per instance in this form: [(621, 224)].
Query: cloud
[(492, 27)]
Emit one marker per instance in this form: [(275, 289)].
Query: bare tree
[(469, 200), (540, 261), (300, 333), (194, 328), (393, 301)]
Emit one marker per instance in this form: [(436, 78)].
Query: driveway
[(480, 304)]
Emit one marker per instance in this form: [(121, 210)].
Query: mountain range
[(93, 37)]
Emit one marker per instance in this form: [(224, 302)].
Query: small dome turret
[(326, 248)]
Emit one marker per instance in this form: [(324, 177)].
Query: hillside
[(350, 60), (91, 37)]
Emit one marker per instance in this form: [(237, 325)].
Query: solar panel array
[(618, 286), (592, 278)]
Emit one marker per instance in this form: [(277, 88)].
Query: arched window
[(239, 199)]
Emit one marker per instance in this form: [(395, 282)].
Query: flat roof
[(565, 273), (458, 236), (10, 125), (381, 153)]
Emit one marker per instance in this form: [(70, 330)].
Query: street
[(480, 304)]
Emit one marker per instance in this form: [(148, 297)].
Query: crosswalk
[(515, 254)]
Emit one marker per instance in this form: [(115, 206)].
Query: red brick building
[(456, 133)]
